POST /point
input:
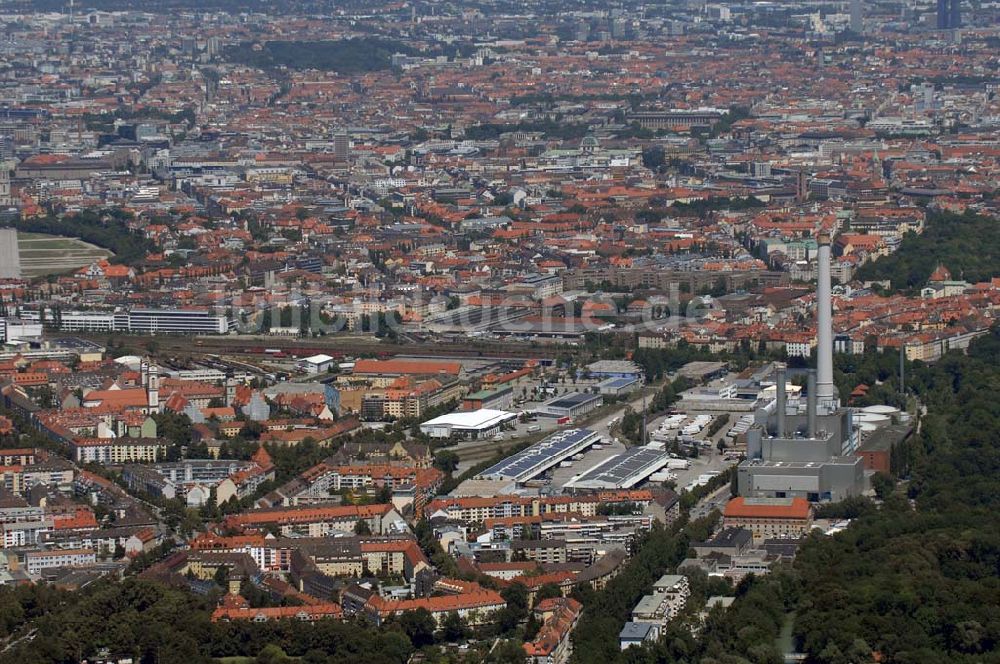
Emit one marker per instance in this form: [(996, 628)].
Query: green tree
[(453, 628), (446, 461), (272, 654), (221, 576), (516, 596), (547, 591), (419, 626), (883, 484), (507, 651)]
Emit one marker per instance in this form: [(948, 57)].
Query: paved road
[(29, 636), (714, 501), (602, 425)]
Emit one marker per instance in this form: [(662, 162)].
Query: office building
[(14, 329), (342, 146), (949, 14), (7, 152), (143, 321), (857, 19)]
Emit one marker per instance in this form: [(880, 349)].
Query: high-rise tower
[(949, 14), (857, 19), (342, 146)]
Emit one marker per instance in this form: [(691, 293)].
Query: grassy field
[(51, 254)]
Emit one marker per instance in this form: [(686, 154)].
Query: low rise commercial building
[(570, 405), (468, 425)]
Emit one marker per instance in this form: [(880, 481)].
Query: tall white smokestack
[(825, 391), (780, 401)]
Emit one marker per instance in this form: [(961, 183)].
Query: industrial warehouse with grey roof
[(541, 456)]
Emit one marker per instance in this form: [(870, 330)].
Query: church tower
[(153, 389)]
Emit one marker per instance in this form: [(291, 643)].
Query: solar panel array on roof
[(572, 399), (624, 470), (618, 382), (541, 456)]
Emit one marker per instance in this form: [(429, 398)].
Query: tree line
[(104, 228), (347, 56), (915, 578), (967, 244)]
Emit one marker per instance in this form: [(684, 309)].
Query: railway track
[(336, 347)]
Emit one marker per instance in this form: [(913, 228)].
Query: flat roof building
[(573, 404), (468, 424), (499, 399), (831, 480), (616, 387), (147, 321), (541, 456), (637, 633), (316, 363), (702, 371), (622, 471), (615, 369)]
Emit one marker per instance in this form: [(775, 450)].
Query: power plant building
[(796, 452)]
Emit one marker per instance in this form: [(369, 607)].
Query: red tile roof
[(796, 508), (312, 612), (390, 367)]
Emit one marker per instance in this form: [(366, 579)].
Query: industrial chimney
[(811, 406), (825, 391), (781, 399)]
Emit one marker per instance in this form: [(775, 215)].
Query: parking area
[(532, 427), (707, 463), (702, 436)]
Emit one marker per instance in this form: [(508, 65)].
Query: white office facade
[(141, 321)]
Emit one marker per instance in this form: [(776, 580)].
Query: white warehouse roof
[(484, 418), (317, 359)]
